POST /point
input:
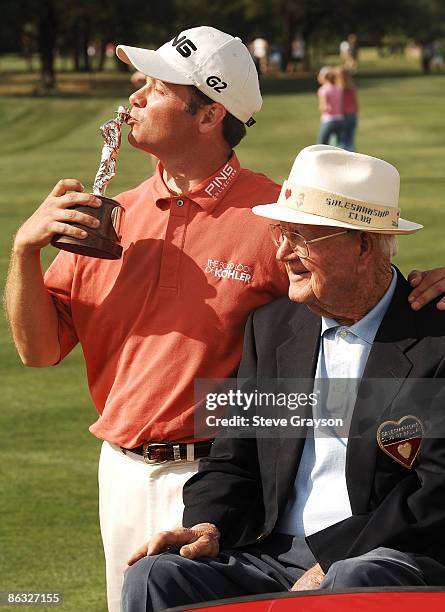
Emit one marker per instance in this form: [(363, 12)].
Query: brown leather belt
[(161, 452)]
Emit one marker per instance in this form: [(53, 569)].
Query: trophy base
[(101, 243), (90, 247)]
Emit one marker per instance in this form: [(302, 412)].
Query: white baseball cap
[(216, 63), (333, 187)]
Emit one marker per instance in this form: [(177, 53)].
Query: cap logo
[(215, 83), (184, 46)]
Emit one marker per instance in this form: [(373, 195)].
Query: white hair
[(388, 244)]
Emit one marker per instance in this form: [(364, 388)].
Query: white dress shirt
[(320, 497)]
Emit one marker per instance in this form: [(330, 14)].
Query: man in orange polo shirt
[(173, 309)]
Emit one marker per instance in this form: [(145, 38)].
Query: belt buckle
[(146, 452)]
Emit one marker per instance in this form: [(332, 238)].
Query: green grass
[(49, 535)]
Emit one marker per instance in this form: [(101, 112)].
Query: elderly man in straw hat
[(349, 510)]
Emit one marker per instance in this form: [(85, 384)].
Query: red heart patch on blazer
[(401, 439)]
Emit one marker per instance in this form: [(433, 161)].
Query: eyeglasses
[(296, 241)]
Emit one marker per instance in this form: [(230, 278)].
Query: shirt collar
[(207, 194), (366, 328)]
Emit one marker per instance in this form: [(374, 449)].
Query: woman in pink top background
[(350, 108), (330, 105)]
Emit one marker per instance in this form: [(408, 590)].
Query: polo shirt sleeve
[(58, 281)]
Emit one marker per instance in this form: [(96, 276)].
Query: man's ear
[(367, 245), (211, 115)]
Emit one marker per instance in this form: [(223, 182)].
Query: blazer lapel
[(296, 358), (387, 360)]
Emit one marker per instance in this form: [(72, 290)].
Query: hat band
[(338, 207)]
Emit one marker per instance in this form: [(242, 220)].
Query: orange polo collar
[(207, 194)]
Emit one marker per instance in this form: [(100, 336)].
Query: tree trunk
[(307, 58), (75, 46), (288, 31), (47, 33), (80, 45), (85, 36), (102, 55)]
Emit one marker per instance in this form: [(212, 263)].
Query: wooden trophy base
[(103, 242)]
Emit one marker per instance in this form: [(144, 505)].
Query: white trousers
[(136, 500)]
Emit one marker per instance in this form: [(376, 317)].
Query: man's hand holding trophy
[(102, 241)]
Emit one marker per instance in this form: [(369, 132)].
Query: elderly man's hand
[(427, 286), (198, 541), (310, 580)]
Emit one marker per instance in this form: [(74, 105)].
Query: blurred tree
[(425, 23), (281, 19), (11, 26), (42, 18), (327, 21), (29, 43), (82, 28), (47, 24), (228, 16), (423, 20)]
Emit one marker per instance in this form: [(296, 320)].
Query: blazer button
[(261, 536)]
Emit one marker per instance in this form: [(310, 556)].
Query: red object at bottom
[(430, 599)]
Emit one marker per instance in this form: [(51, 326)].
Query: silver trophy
[(102, 242)]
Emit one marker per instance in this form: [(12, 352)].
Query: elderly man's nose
[(284, 250)]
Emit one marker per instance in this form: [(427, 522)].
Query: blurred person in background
[(437, 59), (330, 105), (352, 62), (259, 50), (297, 55), (427, 56), (349, 52), (344, 51), (345, 83)]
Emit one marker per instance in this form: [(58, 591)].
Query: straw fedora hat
[(333, 187)]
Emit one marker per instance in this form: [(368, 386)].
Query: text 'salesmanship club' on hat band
[(338, 207)]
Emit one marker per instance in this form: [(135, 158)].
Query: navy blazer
[(244, 484)]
